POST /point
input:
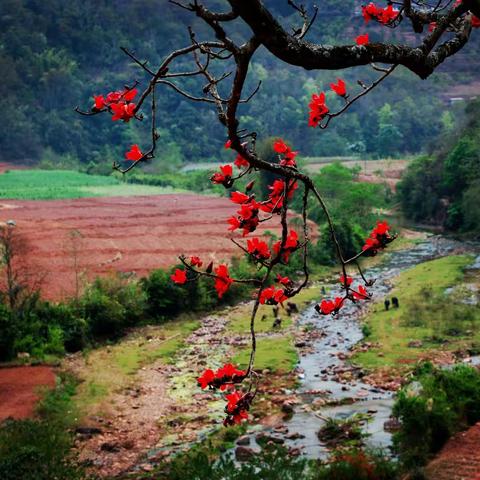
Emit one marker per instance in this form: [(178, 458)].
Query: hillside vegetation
[(55, 55), (444, 188)]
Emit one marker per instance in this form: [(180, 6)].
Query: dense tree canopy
[(444, 188), (55, 54)]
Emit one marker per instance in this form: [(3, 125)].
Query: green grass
[(425, 312), (239, 318), (275, 353), (64, 184), (111, 368)]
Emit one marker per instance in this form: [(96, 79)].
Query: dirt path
[(160, 411), (459, 459), (19, 390)]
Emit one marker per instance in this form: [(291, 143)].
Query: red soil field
[(459, 459), (9, 166), (124, 234), (19, 390)]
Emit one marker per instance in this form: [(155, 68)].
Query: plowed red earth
[(9, 166), (20, 388), (125, 234), (459, 459)]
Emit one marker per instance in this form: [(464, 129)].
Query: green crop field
[(58, 184)]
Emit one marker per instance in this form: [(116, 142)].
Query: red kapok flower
[(222, 280), (318, 110), (225, 177), (113, 97), (432, 26), (362, 39), (326, 307), (339, 88), (134, 154), (361, 293), (369, 12), (122, 111), (258, 248), (280, 146), (291, 244), (285, 281), (239, 197), (382, 15), (99, 102), (228, 144), (129, 95), (206, 379), (179, 277), (378, 239), (241, 162), (347, 280), (195, 261), (247, 218), (475, 22), (272, 296)]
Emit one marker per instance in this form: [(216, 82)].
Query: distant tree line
[(55, 55)]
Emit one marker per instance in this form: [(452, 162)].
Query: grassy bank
[(430, 319), (109, 369)]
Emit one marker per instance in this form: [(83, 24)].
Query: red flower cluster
[(118, 103), (272, 296), (282, 148), (241, 162), (223, 378), (327, 307), (179, 277), (277, 190), (318, 110), (360, 293), (346, 280), (134, 154), (224, 177), (258, 249), (246, 218), (239, 197), (383, 15), (378, 239), (222, 280), (291, 244), (195, 262), (285, 281), (237, 408), (339, 88)]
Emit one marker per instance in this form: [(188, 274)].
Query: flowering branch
[(441, 16)]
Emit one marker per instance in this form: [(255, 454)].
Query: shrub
[(112, 304), (40, 449), (445, 401), (7, 334)]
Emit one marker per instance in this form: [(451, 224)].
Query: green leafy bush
[(440, 403)]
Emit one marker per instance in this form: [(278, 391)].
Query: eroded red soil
[(20, 388), (126, 234), (459, 459)]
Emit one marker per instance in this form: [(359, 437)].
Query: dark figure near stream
[(395, 302), (387, 304), (277, 323)]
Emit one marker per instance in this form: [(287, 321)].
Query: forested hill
[(56, 54), (444, 188)]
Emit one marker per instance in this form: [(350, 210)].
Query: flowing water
[(320, 366)]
